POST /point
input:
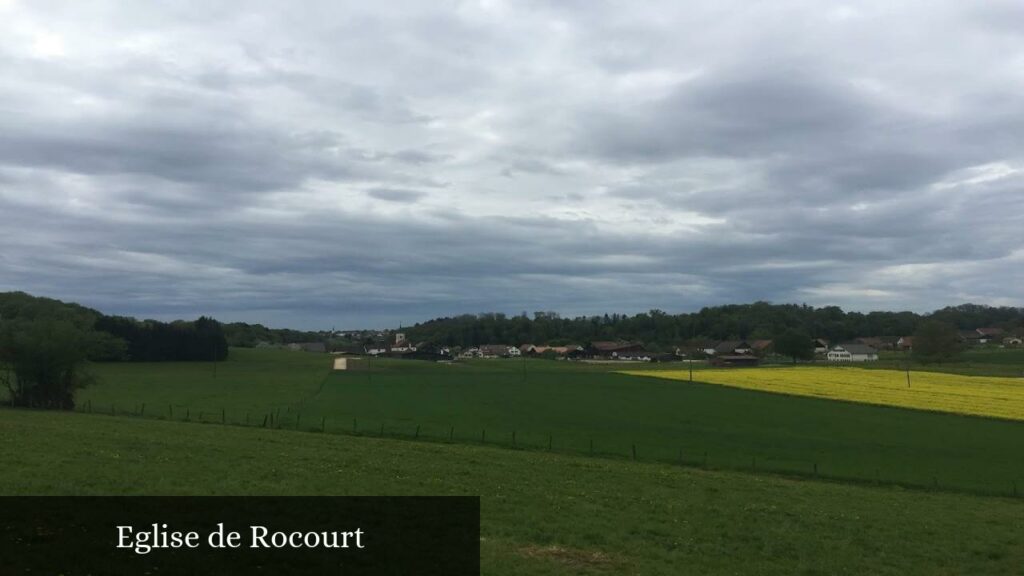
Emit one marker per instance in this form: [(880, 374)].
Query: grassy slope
[(577, 403), (542, 513)]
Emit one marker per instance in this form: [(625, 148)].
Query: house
[(853, 352), (820, 345), (989, 334), (377, 349), (572, 351), (612, 350), (761, 347), (499, 351), (740, 347), (875, 342), (905, 343), (735, 360)]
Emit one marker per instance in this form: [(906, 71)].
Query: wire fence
[(285, 418)]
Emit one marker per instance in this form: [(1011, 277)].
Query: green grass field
[(541, 513), (571, 405)]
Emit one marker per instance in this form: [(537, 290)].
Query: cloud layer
[(364, 166)]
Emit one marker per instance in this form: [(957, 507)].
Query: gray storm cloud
[(365, 166)]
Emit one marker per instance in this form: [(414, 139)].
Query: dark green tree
[(44, 362), (935, 341), (796, 344)]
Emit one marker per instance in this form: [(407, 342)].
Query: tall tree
[(44, 362), (935, 341), (796, 344)]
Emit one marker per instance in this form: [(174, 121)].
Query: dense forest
[(113, 338), (658, 329)]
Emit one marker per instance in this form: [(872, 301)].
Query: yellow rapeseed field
[(978, 395)]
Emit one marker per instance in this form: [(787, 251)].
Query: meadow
[(541, 513), (579, 409), (998, 397)]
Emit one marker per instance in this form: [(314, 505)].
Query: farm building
[(905, 343), (989, 335), (613, 350), (820, 346), (852, 353), (761, 347), (499, 351), (729, 347), (876, 342)]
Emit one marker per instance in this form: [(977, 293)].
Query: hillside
[(542, 513)]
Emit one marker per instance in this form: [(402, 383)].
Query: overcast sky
[(363, 164)]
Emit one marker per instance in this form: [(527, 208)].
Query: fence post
[(323, 424), (90, 406), (170, 411), (417, 431), (188, 413), (705, 459), (513, 437), (111, 409), (483, 436), (549, 442), (265, 420), (143, 411), (223, 415), (634, 451), (298, 420), (451, 433), (355, 426)]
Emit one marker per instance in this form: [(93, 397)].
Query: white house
[(852, 353)]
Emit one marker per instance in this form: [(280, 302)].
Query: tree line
[(45, 343), (115, 338), (659, 330)]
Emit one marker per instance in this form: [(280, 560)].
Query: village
[(726, 353)]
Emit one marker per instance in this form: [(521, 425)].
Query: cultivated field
[(955, 393), (576, 409), (541, 513)]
